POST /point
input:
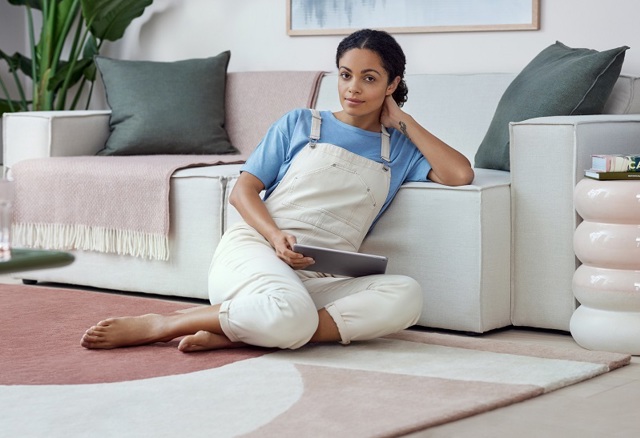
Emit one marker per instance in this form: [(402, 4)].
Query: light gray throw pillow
[(166, 107)]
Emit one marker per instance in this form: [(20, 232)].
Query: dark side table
[(30, 259)]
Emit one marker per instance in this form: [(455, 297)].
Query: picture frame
[(342, 17)]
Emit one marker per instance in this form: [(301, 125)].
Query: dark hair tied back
[(389, 51)]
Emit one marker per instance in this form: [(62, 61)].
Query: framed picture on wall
[(341, 17)]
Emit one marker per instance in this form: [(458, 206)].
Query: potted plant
[(71, 33)]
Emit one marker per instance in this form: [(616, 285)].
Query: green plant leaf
[(89, 51), (83, 67), (65, 9), (108, 19), (90, 48), (63, 70), (17, 61), (35, 4), (4, 107), (72, 28), (12, 61), (18, 105)]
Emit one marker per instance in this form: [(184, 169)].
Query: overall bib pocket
[(355, 206)]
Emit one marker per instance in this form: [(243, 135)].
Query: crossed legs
[(265, 303), (200, 327)]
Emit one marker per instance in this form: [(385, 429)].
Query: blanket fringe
[(88, 238)]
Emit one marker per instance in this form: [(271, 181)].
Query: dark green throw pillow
[(166, 107), (559, 81)]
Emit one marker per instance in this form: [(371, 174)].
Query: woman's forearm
[(449, 166), (254, 212)]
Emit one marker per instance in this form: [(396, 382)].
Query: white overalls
[(328, 197)]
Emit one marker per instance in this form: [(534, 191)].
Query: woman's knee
[(295, 330), (407, 297), (392, 303), (275, 320)]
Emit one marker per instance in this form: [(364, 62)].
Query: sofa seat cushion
[(455, 241)]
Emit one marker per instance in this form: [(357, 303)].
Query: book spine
[(610, 176), (615, 163)]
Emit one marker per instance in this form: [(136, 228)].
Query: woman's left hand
[(448, 166), (391, 114)]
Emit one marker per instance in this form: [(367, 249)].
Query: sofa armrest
[(548, 157), (539, 141), (40, 134)]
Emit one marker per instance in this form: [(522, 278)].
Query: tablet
[(334, 261)]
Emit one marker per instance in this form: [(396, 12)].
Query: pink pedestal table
[(607, 284)]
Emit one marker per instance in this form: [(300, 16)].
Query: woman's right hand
[(245, 197), (282, 243)]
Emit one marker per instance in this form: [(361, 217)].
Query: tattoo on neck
[(403, 129)]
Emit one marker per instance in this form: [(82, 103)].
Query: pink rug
[(41, 330), (50, 386)]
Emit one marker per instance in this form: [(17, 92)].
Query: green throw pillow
[(559, 81), (166, 107)]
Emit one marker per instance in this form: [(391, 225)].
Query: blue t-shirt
[(272, 157)]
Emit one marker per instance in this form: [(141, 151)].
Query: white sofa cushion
[(625, 97)]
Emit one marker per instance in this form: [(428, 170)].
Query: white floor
[(606, 406)]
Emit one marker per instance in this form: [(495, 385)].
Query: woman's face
[(363, 83)]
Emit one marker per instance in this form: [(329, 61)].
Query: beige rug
[(52, 387)]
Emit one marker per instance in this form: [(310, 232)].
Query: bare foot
[(204, 340), (126, 332)]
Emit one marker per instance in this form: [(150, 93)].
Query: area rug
[(51, 386)]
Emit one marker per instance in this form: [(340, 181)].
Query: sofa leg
[(29, 282), (472, 333)]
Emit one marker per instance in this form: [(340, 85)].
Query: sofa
[(494, 253)]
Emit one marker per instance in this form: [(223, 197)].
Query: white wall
[(255, 32), (12, 37)]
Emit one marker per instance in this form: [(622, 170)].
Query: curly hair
[(389, 51)]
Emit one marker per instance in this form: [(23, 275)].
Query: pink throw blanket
[(108, 204)]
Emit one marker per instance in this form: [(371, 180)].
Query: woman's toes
[(202, 340)]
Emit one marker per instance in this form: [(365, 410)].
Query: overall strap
[(385, 147), (316, 121)]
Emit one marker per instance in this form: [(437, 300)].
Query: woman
[(328, 177)]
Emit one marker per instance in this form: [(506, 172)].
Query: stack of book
[(610, 167)]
